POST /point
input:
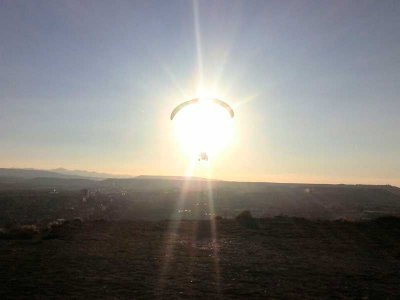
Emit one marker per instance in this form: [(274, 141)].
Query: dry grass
[(284, 258)]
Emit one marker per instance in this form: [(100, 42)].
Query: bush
[(218, 218), (77, 222), (22, 232), (246, 219), (61, 228), (3, 233), (56, 224)]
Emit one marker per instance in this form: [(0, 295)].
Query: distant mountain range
[(156, 196), (87, 174), (34, 173), (78, 174), (12, 178), (56, 173), (61, 178), (262, 198)]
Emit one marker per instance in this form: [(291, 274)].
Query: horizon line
[(128, 176)]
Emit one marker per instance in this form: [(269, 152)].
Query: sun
[(203, 127)]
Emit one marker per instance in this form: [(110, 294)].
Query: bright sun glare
[(203, 127)]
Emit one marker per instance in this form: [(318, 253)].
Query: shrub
[(77, 222), (246, 219), (218, 218), (56, 224), (61, 228), (3, 233), (23, 232)]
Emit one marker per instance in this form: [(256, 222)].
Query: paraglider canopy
[(197, 100)]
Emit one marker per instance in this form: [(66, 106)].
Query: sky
[(314, 84)]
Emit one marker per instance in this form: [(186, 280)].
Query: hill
[(155, 198), (160, 199), (32, 173), (88, 174)]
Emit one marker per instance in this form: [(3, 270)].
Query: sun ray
[(200, 83), (245, 100), (174, 81), (173, 226), (214, 233)]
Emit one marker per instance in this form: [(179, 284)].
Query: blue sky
[(90, 84)]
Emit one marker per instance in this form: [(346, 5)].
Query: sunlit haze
[(315, 87)]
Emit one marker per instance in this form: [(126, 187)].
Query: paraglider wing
[(182, 105), (225, 105), (193, 101)]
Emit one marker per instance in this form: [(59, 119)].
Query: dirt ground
[(283, 259)]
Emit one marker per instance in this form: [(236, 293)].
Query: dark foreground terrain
[(283, 258)]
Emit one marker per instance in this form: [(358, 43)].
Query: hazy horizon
[(283, 181), (315, 87)]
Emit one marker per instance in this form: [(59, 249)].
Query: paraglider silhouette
[(202, 155), (194, 101)]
